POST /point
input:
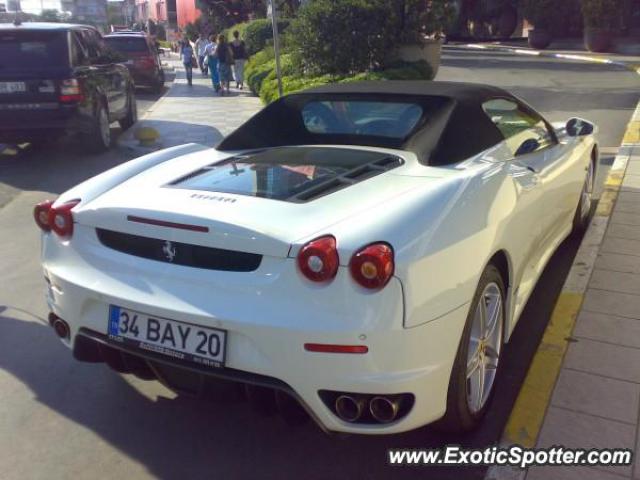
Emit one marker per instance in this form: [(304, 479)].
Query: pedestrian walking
[(225, 59), (239, 58), (186, 54), (201, 47), (212, 62)]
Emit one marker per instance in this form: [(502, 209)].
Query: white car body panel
[(444, 224)]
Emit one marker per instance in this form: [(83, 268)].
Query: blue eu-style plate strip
[(114, 319)]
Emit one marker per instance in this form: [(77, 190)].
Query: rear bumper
[(146, 78), (24, 124), (267, 325)]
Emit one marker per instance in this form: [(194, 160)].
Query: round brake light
[(60, 218), (373, 266), (41, 215), (318, 260)]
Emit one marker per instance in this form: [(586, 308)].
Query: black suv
[(142, 58), (58, 78)]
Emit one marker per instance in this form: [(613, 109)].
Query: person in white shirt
[(201, 46)]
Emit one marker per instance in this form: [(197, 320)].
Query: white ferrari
[(361, 250)]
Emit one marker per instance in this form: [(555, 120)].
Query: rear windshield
[(32, 50), (354, 117), (296, 174), (127, 45)]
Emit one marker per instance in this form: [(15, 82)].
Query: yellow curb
[(606, 202), (632, 135), (528, 412)]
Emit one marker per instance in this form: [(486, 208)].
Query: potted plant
[(506, 17), (541, 14), (602, 18), (422, 26)]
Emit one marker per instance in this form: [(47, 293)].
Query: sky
[(36, 6)]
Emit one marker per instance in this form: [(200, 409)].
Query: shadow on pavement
[(189, 438), (65, 163)]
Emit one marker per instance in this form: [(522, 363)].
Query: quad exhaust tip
[(384, 409), (349, 408)]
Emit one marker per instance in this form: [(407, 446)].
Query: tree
[(230, 12), (50, 15)]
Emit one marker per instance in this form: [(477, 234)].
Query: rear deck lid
[(258, 202)]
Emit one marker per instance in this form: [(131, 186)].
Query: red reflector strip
[(162, 223), (76, 97), (324, 348)]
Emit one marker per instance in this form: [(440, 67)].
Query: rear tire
[(132, 113), (100, 138), (159, 83), (476, 364)]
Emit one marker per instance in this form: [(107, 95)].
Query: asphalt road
[(61, 419)]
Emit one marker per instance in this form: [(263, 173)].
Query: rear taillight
[(41, 215), (145, 62), (60, 219), (318, 259), (71, 91), (372, 267)]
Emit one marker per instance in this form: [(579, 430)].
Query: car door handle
[(531, 169)]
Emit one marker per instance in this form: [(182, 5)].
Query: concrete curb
[(528, 413), (564, 56)]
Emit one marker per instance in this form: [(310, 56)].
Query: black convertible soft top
[(455, 129)]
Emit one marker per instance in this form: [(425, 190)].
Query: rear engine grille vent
[(350, 177), (179, 253)]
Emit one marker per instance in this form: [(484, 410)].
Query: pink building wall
[(187, 12)]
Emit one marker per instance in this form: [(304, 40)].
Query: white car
[(363, 249)]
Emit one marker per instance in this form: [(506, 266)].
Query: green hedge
[(258, 67), (342, 37), (258, 32), (240, 27), (265, 83)]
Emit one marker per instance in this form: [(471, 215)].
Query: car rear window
[(32, 50), (355, 117), (128, 45), (295, 174)]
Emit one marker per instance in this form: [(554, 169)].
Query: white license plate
[(12, 87), (179, 340)]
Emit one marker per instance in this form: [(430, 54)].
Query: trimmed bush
[(240, 27), (291, 82), (258, 32), (342, 37), (258, 67)]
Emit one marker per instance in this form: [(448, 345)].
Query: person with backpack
[(239, 58), (225, 60), (186, 53)]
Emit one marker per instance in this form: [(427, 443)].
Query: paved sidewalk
[(194, 113)]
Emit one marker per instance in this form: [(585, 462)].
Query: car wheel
[(100, 139), (477, 360), (583, 212), (159, 85), (132, 113)]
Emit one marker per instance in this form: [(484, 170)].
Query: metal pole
[(276, 44)]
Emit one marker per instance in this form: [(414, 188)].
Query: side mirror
[(577, 127), (530, 145)]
